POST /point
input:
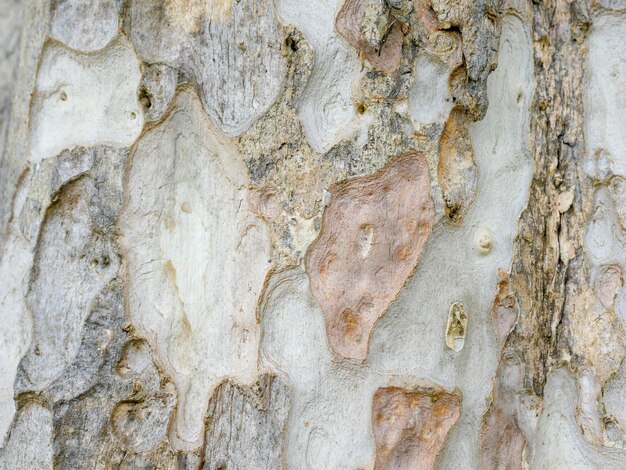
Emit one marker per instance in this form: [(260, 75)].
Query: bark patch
[(410, 426), (197, 257), (370, 29), (457, 171), (373, 233), (245, 425), (232, 49)]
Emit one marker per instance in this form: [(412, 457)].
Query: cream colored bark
[(324, 234)]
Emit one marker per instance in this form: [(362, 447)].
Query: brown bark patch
[(456, 171), (411, 426), (373, 233), (504, 312), (386, 56), (501, 439), (266, 202), (427, 17)]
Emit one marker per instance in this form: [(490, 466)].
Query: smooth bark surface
[(325, 234)]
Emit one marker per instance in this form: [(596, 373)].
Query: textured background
[(256, 234)]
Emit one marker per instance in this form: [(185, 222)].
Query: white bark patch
[(596, 326), (10, 26), (330, 423), (613, 396), (232, 48), (197, 257), (15, 328), (85, 100), (30, 444), (605, 241), (326, 108), (84, 25), (429, 97), (558, 443), (605, 81)]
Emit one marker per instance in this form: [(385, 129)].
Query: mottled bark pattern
[(548, 284), (323, 234)]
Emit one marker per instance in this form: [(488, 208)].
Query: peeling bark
[(285, 234), (239, 416), (410, 426), (372, 235), (205, 271), (456, 169)]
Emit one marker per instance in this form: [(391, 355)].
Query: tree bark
[(358, 234)]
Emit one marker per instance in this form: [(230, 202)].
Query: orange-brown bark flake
[(411, 426), (373, 233)]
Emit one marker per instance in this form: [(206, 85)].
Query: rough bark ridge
[(356, 234), (549, 265), (548, 257), (548, 295)]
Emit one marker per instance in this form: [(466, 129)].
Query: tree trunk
[(263, 234)]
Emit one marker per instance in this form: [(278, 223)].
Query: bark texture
[(359, 234)]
